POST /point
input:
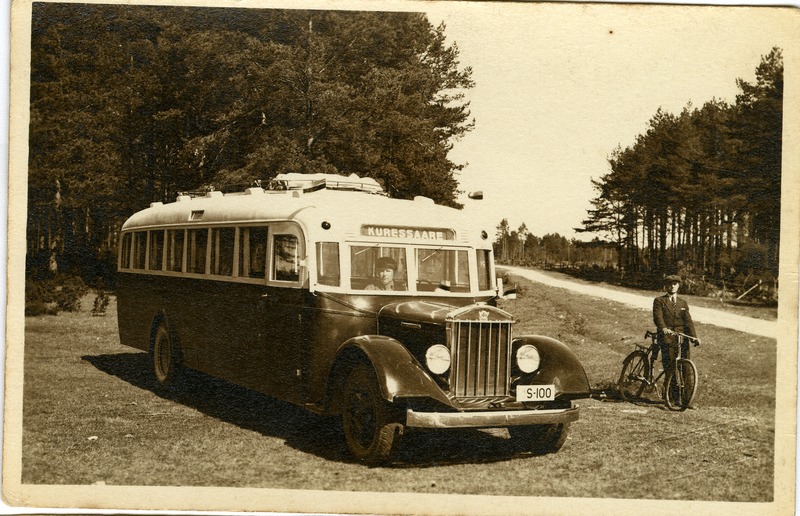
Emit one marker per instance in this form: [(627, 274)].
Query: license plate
[(536, 392)]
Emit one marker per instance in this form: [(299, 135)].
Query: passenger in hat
[(385, 268), (671, 316)]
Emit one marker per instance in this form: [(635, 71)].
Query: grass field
[(92, 414)]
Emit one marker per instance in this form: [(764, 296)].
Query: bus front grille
[(480, 358)]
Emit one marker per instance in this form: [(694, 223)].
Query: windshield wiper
[(434, 253), (366, 249)]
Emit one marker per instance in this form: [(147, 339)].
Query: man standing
[(671, 316)]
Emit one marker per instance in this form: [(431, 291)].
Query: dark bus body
[(271, 290)]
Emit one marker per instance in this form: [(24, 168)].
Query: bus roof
[(325, 214)]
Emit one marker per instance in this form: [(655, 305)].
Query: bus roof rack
[(202, 191), (292, 181), (314, 182)]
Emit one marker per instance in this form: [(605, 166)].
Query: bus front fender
[(559, 366), (399, 374)]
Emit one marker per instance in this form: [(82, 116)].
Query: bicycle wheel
[(635, 372), (681, 384)]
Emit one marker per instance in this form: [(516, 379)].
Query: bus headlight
[(437, 358), (528, 358)]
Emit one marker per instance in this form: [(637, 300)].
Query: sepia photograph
[(402, 257)]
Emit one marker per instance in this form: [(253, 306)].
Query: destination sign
[(409, 233)]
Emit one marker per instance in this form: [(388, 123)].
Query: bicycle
[(637, 374)]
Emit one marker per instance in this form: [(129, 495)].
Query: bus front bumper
[(485, 419)]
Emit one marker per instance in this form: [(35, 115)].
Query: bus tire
[(371, 426), (539, 439), (165, 358)]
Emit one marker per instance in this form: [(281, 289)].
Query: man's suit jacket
[(675, 317)]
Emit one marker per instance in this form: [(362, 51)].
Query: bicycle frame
[(639, 365)]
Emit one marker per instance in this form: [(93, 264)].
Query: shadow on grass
[(610, 394), (300, 428)]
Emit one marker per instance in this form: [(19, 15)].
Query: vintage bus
[(321, 291)]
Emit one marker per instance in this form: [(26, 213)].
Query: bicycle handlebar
[(653, 334)]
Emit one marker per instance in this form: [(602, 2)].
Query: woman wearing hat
[(385, 268), (671, 316)]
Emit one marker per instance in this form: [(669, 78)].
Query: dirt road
[(741, 323)]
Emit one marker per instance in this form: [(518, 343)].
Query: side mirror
[(504, 292)]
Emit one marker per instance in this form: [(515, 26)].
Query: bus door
[(266, 342), (241, 333), (285, 345)]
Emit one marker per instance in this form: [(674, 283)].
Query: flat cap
[(672, 278)]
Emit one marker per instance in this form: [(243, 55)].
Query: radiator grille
[(481, 362)]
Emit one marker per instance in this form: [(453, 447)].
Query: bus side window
[(461, 273), (175, 250), (196, 257), (139, 249), (328, 263), (484, 272), (286, 263), (222, 240), (125, 252), (252, 252), (156, 250)]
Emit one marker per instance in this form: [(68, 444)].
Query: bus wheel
[(164, 356), (371, 427), (540, 439)]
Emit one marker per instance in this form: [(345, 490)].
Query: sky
[(559, 86)]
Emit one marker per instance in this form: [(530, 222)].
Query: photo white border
[(219, 499)]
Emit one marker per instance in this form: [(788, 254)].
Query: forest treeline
[(699, 193), (520, 246), (595, 260), (133, 104)]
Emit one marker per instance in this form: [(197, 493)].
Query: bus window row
[(239, 252)]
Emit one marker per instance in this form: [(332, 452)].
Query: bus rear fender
[(159, 317), (398, 373)]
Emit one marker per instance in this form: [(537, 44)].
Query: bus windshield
[(378, 268), (442, 270), (436, 269)]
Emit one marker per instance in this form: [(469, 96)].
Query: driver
[(385, 267)]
